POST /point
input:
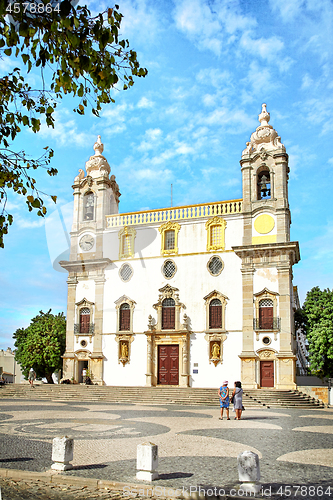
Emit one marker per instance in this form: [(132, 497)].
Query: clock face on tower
[(86, 242)]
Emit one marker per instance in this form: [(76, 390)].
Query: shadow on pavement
[(92, 466), (174, 475), (21, 459)]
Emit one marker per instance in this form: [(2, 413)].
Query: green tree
[(76, 54), (41, 345), (318, 312)]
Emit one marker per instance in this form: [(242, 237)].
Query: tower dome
[(265, 136)]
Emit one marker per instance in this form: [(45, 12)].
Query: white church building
[(185, 296)]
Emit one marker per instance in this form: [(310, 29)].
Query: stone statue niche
[(124, 351), (215, 351)]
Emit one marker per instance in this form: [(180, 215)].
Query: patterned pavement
[(295, 446)]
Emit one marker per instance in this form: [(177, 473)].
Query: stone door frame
[(154, 339)]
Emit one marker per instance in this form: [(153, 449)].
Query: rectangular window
[(169, 240), (126, 248), (84, 323), (124, 320), (215, 317), (215, 235), (168, 318)]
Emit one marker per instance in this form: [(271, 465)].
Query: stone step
[(156, 395)]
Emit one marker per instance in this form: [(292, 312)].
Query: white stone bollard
[(62, 453), (249, 471), (147, 462)]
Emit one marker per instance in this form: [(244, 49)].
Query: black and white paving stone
[(295, 446)]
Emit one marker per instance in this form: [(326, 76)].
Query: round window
[(215, 265), (126, 272), (169, 269), (83, 343), (266, 340)]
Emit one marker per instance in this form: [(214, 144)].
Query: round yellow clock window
[(264, 224)]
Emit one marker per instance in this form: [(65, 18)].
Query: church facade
[(184, 296)]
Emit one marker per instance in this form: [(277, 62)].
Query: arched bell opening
[(264, 185), (88, 206)]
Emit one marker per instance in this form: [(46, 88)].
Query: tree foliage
[(76, 54), (318, 312), (41, 345)]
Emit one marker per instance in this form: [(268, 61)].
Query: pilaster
[(97, 354), (285, 307), (247, 285), (70, 320), (185, 375), (149, 374)]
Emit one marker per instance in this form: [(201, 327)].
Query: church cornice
[(272, 250), (77, 266)]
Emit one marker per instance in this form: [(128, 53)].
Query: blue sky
[(211, 64)]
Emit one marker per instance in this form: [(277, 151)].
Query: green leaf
[(35, 203)]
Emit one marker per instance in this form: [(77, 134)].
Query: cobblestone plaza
[(195, 448)]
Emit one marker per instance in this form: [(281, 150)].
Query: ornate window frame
[(84, 303), (273, 296), (124, 338), (124, 233), (169, 226), (215, 221), (223, 299), (215, 335), (124, 300), (120, 270), (169, 292), (210, 260), (162, 269)]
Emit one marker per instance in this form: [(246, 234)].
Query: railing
[(176, 213), (77, 329), (267, 324)]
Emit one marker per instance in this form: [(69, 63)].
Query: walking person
[(237, 397), (224, 399), (31, 377)]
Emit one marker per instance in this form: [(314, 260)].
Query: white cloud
[(152, 174), (23, 223), (307, 82), (266, 48), (65, 130), (184, 149), (151, 140), (288, 10), (209, 100), (197, 21), (141, 22), (145, 103), (6, 64), (214, 77), (261, 80)]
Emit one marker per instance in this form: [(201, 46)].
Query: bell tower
[(96, 195), (268, 257), (265, 173)]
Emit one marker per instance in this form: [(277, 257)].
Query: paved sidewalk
[(295, 446)]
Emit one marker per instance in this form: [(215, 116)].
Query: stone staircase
[(191, 396), (273, 398)]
